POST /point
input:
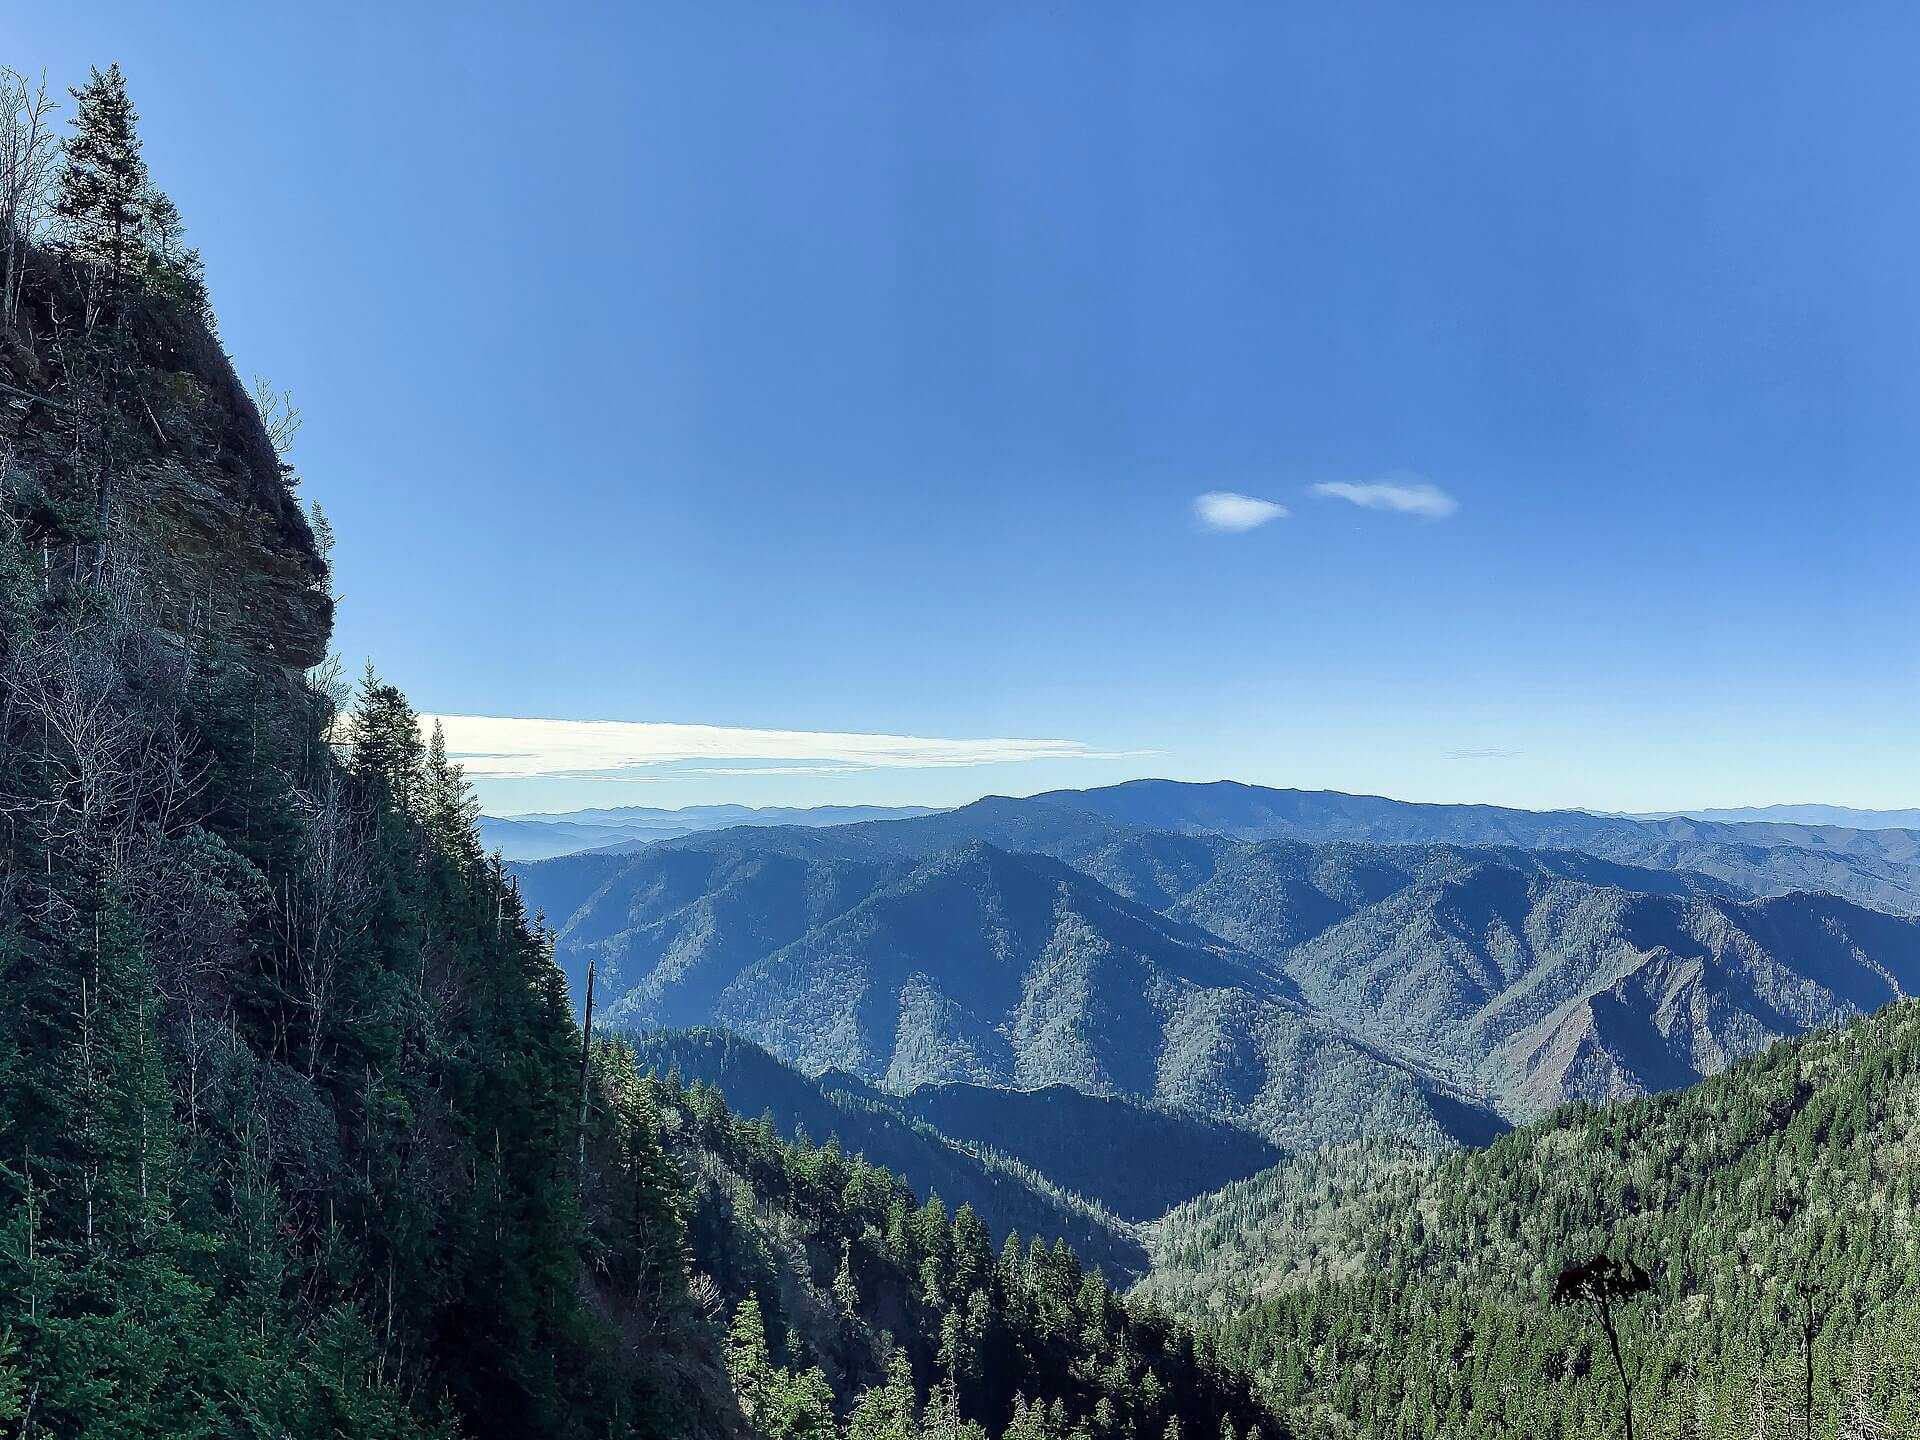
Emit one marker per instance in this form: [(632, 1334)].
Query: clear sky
[(860, 368)]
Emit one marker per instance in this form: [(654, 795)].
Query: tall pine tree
[(103, 199)]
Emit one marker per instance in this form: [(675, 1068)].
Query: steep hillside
[(682, 924), (1531, 976), (1410, 1292), (1138, 1161), (1009, 1197), (850, 1298), (1548, 987), (969, 1143), (290, 1123), (988, 967), (555, 889), (192, 500), (975, 965), (1154, 868), (1270, 898)]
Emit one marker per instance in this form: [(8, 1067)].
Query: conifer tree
[(801, 1407), (449, 809), (386, 742), (846, 1293), (749, 1365), (102, 202), (173, 267), (885, 1411)]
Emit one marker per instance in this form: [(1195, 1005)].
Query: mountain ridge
[(1489, 969)]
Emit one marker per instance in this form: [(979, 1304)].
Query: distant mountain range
[(975, 964), (1879, 867), (1307, 966), (633, 827), (1801, 815)]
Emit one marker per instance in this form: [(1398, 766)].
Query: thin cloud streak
[(1233, 514), (499, 747), (1407, 497)]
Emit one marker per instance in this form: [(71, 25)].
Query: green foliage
[(104, 186), (950, 1334), (1007, 1194), (1008, 970), (290, 1088), (1406, 1293), (886, 1411), (113, 220)]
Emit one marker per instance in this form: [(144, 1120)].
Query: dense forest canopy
[(1383, 1291)]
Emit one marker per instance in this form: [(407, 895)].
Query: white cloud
[(1409, 497), (499, 747), (1224, 510)]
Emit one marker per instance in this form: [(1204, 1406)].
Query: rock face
[(234, 566), (197, 496)]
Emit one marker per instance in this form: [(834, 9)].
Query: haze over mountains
[(1843, 815), (631, 827), (1310, 967)]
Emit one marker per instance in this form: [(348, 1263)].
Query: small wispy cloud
[(1408, 497), (1226, 511), (500, 747), (1488, 752)]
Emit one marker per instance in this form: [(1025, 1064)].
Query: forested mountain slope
[(1008, 1196), (1550, 975), (1528, 976), (835, 949), (1410, 1293), (288, 1088), (298, 1135), (1137, 1160), (847, 1294), (1090, 1146), (979, 965)]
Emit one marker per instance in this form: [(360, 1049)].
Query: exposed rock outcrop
[(197, 495)]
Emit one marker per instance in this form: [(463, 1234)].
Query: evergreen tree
[(102, 201), (749, 1365), (448, 808), (386, 748), (800, 1407), (886, 1411)]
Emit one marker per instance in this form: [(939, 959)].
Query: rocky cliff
[(199, 500)]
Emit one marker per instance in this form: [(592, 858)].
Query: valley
[(334, 1107), (1314, 990), (1318, 1014)]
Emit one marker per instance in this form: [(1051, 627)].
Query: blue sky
[(857, 369)]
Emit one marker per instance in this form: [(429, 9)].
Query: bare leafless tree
[(29, 149), (74, 692), (322, 918), (278, 413)]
